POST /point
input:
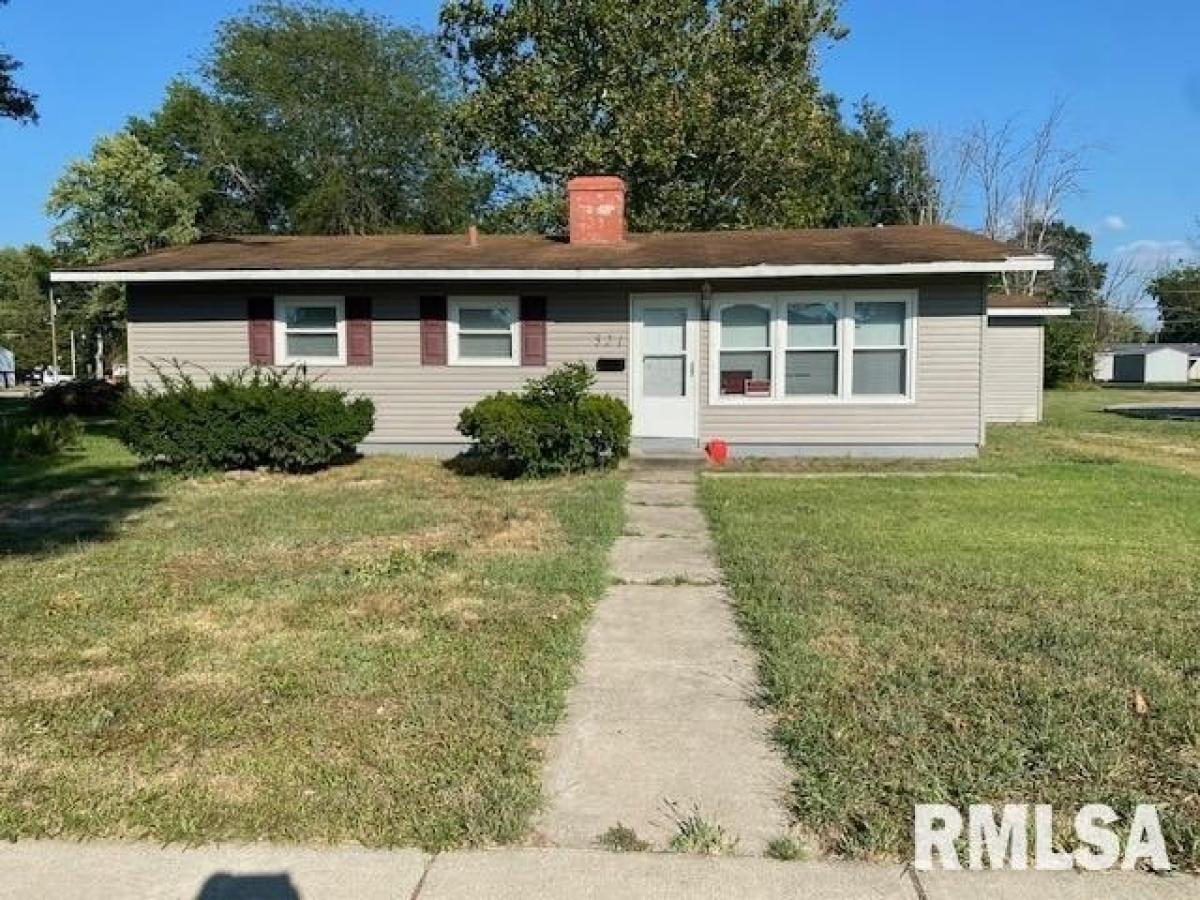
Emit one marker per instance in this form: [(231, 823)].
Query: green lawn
[(375, 653), (979, 640)]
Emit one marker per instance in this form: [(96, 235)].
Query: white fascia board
[(1028, 312), (1012, 264)]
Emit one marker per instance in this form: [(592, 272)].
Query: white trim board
[(807, 270), (1029, 312)]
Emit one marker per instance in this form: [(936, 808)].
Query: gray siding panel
[(413, 403), (947, 405), (419, 405), (1013, 370)]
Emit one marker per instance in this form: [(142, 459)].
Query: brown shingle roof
[(835, 246)]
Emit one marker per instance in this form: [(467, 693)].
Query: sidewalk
[(661, 723), (53, 870)]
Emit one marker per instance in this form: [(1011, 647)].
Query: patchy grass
[(698, 835), (987, 640), (785, 849), (622, 839), (374, 653)]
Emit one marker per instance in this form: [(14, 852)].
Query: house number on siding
[(608, 340)]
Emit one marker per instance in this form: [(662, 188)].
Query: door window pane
[(879, 372), (879, 324), (492, 318), (745, 326), (664, 330), (738, 368), (812, 324), (300, 345), (663, 376), (811, 372), (485, 346)]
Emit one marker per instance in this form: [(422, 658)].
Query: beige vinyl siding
[(1012, 377), (206, 326), (945, 411)]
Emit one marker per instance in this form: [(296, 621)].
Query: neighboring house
[(1148, 363), (1014, 349), (860, 341)]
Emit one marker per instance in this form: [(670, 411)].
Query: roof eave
[(1038, 263), (1027, 312)]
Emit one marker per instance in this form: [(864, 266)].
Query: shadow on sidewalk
[(248, 887)]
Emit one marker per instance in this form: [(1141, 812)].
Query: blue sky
[(1129, 75)]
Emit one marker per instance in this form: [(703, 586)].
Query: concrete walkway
[(58, 870), (661, 721)]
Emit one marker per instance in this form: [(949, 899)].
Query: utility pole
[(53, 331), (74, 369)]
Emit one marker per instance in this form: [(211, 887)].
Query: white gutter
[(1027, 312), (814, 270)]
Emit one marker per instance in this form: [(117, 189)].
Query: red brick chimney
[(597, 209)]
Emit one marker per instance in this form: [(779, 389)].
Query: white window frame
[(784, 348), (455, 305), (762, 302), (282, 303), (778, 302), (851, 308)]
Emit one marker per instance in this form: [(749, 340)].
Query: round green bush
[(553, 427), (254, 418)]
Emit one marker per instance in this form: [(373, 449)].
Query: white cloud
[(1150, 256), (1113, 222)]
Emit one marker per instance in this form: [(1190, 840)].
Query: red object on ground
[(717, 450)]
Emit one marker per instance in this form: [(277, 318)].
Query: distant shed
[(1148, 363)]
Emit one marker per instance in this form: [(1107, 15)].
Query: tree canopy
[(710, 109), (15, 102), (1177, 293), (313, 120), (24, 275), (119, 202)]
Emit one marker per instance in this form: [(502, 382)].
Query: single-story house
[(1148, 363), (851, 341)]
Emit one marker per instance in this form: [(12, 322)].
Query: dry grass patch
[(979, 641), (284, 657)]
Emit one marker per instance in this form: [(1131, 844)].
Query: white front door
[(665, 341)]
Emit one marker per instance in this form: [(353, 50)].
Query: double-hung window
[(745, 354), (812, 347), (880, 348), (484, 331), (310, 331)]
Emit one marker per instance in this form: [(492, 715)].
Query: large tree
[(313, 120), (121, 201), (1177, 293), (24, 327), (1091, 288), (710, 109), (15, 102)]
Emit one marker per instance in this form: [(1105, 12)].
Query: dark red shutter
[(358, 331), (533, 331), (433, 331), (260, 324)]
